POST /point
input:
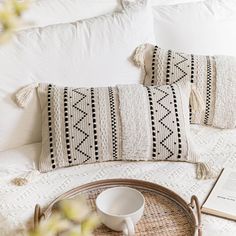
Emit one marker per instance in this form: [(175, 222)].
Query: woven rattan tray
[(165, 212)]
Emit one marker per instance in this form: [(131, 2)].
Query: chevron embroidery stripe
[(162, 142)]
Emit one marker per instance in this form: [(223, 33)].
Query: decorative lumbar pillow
[(214, 79), (126, 122)]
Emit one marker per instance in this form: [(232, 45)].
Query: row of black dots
[(192, 81), (177, 122), (50, 127), (66, 114), (190, 113), (153, 122), (153, 64), (192, 69), (168, 66), (208, 91), (113, 123), (94, 123)]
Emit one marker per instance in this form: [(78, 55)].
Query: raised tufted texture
[(217, 147)]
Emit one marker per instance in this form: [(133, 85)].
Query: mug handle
[(128, 227)]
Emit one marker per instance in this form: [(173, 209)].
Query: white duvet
[(218, 148)]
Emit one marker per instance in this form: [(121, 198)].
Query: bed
[(17, 204), (20, 148)]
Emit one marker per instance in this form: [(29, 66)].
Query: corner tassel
[(196, 100), (138, 57), (203, 171), (24, 95), (25, 178)]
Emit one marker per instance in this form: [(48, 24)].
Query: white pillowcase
[(48, 12), (93, 52), (171, 2), (206, 28)]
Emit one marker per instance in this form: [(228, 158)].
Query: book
[(221, 201)]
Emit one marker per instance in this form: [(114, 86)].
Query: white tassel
[(204, 171), (24, 95), (25, 178), (196, 100), (138, 57)]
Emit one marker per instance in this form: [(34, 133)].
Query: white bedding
[(218, 147)]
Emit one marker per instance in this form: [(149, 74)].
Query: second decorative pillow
[(126, 122), (214, 78)]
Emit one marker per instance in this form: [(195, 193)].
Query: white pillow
[(93, 52), (171, 2), (48, 12), (206, 28)]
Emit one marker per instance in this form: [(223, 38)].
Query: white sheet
[(218, 147)]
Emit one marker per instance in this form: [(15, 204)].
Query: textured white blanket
[(218, 149)]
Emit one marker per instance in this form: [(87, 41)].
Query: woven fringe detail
[(138, 57), (196, 100), (24, 95), (204, 171), (26, 178)]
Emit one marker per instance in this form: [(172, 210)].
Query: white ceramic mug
[(120, 208)]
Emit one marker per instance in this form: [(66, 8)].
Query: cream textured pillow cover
[(214, 77), (126, 122)]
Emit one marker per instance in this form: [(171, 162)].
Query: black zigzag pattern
[(83, 96), (161, 121), (77, 124), (178, 66)]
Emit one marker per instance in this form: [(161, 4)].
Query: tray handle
[(195, 204), (37, 215)]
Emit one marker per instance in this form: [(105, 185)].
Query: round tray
[(165, 212)]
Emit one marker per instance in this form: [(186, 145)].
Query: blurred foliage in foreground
[(11, 17), (71, 217)]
